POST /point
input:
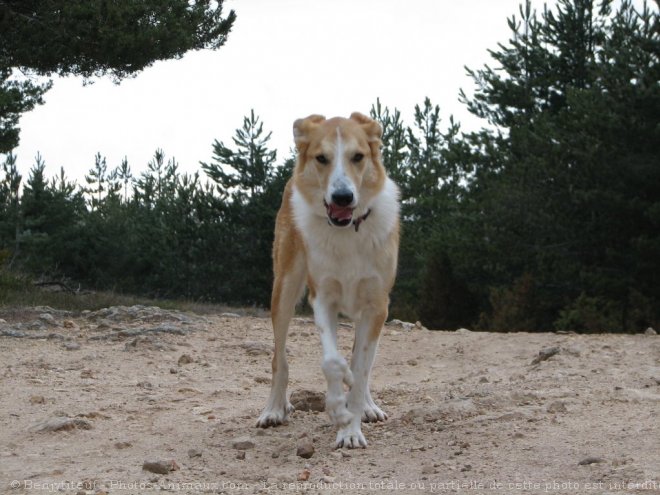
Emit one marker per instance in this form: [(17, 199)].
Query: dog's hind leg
[(287, 291)]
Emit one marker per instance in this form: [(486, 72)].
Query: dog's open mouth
[(340, 216)]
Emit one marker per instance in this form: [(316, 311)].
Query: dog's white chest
[(344, 263)]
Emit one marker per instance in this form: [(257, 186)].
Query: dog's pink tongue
[(340, 212)]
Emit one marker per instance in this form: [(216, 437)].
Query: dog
[(337, 232)]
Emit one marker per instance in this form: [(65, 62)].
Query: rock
[(398, 323), (230, 315), (256, 348), (60, 423), (160, 467), (419, 326), (184, 359), (557, 407), (86, 374), (304, 475), (69, 324), (591, 460), (194, 453), (327, 479), (242, 443), (308, 400), (123, 445), (72, 346), (463, 331), (412, 362), (37, 399), (48, 319), (650, 331), (545, 354), (240, 455), (305, 448)]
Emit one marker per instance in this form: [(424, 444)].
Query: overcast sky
[(286, 59)]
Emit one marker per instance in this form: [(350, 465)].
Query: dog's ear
[(370, 126), (302, 127)]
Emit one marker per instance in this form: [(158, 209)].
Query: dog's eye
[(322, 159), (357, 158)]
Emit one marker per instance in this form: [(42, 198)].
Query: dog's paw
[(337, 410), (274, 416), (372, 413), (350, 437)]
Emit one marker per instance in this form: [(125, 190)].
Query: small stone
[(184, 359), (591, 460), (308, 400), (72, 346), (61, 424), (412, 362), (483, 379), (256, 348), (650, 331), (230, 315), (86, 374), (159, 467), (557, 407), (123, 445), (304, 475), (463, 331), (240, 455), (242, 443), (69, 324), (275, 455), (305, 448), (37, 399), (194, 453), (174, 371), (327, 479), (545, 354), (48, 319)]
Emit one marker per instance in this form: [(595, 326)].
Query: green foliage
[(590, 314), (513, 309), (17, 96), (96, 37), (91, 38)]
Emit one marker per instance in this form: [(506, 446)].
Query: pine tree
[(246, 170)]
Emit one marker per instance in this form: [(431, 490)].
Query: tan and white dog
[(337, 232)]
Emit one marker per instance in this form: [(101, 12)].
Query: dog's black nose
[(342, 197)]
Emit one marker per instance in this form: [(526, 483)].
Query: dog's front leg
[(334, 365), (360, 404)]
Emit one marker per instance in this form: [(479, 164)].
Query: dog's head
[(339, 168)]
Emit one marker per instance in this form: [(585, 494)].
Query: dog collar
[(359, 220)]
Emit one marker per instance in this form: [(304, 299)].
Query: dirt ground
[(87, 399)]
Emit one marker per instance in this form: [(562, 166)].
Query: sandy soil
[(468, 412)]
